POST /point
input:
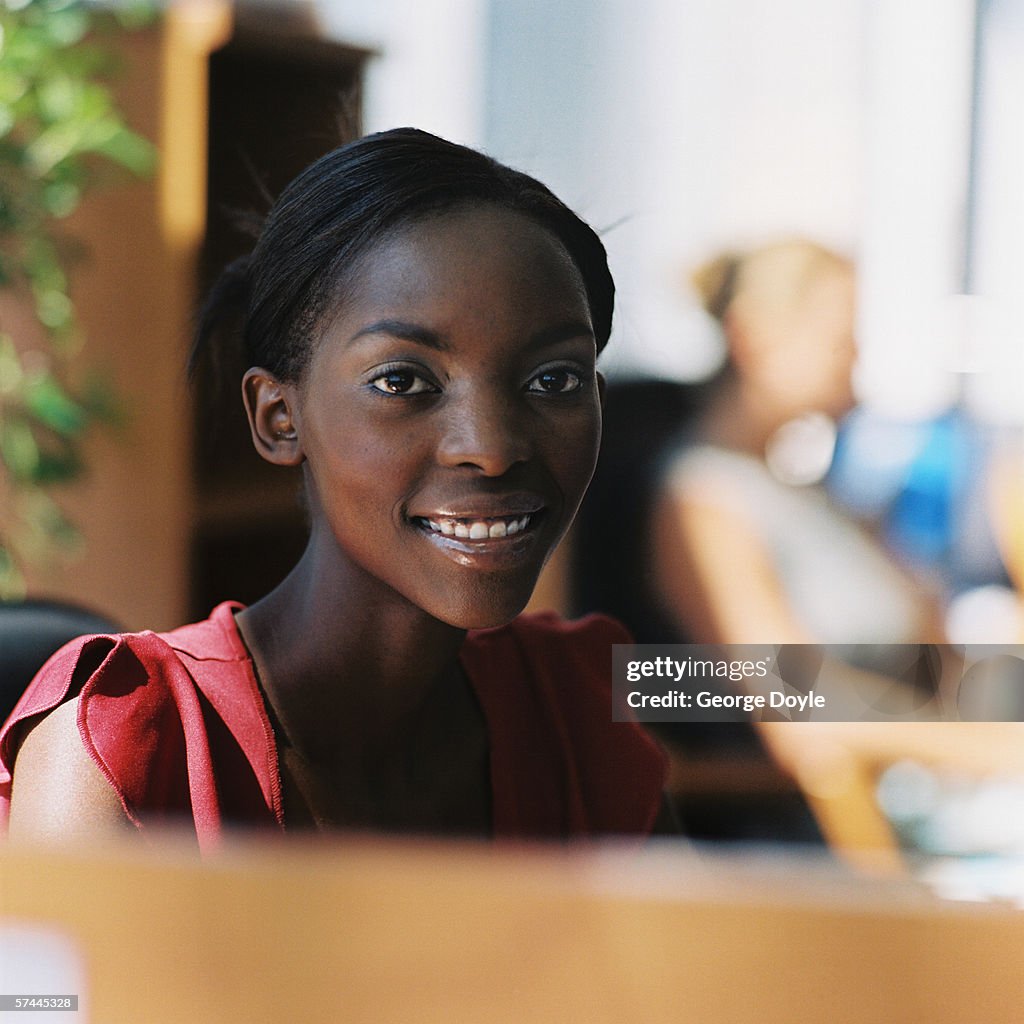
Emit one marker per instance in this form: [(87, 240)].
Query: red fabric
[(177, 725)]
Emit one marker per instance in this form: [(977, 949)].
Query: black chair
[(30, 631), (645, 422)]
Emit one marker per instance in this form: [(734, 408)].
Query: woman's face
[(450, 415), (801, 359)]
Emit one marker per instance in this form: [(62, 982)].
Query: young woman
[(422, 326)]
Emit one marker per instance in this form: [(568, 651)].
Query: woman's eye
[(555, 382), (401, 382)]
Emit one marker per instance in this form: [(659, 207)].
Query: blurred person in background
[(747, 547), (713, 527)]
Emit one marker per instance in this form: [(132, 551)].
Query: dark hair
[(342, 204)]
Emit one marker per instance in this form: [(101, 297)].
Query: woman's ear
[(269, 404)]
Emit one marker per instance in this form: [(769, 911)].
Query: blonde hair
[(771, 278)]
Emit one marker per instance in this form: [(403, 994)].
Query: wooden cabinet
[(175, 511), (279, 98)]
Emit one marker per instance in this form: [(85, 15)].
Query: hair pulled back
[(770, 277), (346, 201)]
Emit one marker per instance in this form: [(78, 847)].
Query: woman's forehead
[(469, 260)]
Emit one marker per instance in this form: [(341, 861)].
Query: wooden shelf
[(176, 516), (280, 97)]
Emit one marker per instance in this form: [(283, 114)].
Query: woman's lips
[(477, 527), (493, 543)]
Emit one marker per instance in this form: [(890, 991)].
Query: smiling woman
[(421, 325), (475, 403)]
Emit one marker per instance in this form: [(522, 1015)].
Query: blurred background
[(888, 135)]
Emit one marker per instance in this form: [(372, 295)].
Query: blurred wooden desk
[(368, 931)]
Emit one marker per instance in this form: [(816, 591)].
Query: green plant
[(60, 132)]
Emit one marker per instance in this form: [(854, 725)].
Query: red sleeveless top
[(178, 726)]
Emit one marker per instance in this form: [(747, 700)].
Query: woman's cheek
[(575, 447)]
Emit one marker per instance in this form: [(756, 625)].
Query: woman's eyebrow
[(420, 335), (416, 333)]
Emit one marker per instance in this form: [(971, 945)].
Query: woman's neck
[(347, 664)]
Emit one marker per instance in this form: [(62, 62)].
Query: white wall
[(676, 127), (428, 71), (994, 349), (682, 126), (689, 126), (918, 96)]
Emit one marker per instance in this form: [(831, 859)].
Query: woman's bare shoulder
[(58, 791)]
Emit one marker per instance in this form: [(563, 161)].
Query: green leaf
[(42, 265), (54, 309), (61, 198), (53, 407), (11, 373), (51, 146), (93, 102), (66, 27), (58, 467), (17, 5), (19, 449), (12, 84), (135, 14), (131, 151), (57, 114), (59, 98)]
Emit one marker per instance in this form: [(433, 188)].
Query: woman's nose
[(486, 434)]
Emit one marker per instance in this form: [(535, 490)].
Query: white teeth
[(477, 529), (518, 524)]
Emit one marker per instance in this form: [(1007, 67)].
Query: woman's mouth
[(481, 528), (490, 533)]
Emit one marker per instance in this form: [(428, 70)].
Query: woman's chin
[(498, 610)]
